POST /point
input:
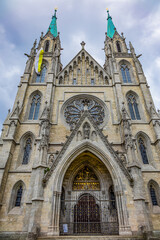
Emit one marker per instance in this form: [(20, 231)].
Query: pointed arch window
[(153, 195), (118, 46), (92, 82), (46, 46), (41, 77), (133, 107), (143, 151), (19, 196), (74, 81), (125, 74), (27, 151), (35, 106)]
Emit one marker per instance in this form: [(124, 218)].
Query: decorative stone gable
[(86, 131), (83, 70)]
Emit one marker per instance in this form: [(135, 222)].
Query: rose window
[(75, 109)]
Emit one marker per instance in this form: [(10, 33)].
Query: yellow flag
[(38, 61)]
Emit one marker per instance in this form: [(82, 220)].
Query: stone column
[(55, 214), (124, 228)]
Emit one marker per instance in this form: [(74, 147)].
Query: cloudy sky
[(22, 21)]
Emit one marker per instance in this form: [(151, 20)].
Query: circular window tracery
[(76, 107)]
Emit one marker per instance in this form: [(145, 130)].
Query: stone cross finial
[(83, 44)]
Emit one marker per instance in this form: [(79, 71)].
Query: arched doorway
[(88, 203), (87, 215)]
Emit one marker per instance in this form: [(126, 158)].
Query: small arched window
[(19, 196), (143, 151), (46, 46), (41, 77), (35, 106), (125, 74), (118, 46), (133, 107), (153, 195), (27, 150)]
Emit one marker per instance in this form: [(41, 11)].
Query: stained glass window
[(19, 196), (125, 74), (41, 77), (133, 107), (27, 150), (142, 149), (153, 195), (35, 106)]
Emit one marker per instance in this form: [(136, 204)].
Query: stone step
[(90, 238)]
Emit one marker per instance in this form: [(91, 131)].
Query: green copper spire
[(110, 26), (53, 25)]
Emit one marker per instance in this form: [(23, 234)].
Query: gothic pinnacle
[(110, 26), (53, 25)]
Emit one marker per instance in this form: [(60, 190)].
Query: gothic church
[(80, 151)]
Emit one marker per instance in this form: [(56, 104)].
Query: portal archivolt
[(88, 203)]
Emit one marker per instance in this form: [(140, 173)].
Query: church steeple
[(110, 26), (53, 25)]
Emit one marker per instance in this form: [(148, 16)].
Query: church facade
[(80, 151)]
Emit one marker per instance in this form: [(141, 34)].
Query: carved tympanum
[(86, 180)]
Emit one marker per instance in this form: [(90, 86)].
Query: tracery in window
[(143, 151), (86, 180), (118, 46), (153, 195), (35, 106), (41, 77), (133, 107), (125, 74), (19, 196), (74, 110), (27, 150)]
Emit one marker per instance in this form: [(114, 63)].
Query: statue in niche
[(51, 160), (86, 130), (123, 158), (94, 136), (79, 136)]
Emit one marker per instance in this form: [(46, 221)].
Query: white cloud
[(152, 73), (151, 30)]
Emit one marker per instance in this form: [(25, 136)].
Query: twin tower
[(80, 150)]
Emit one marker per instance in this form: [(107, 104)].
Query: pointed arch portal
[(86, 205)]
